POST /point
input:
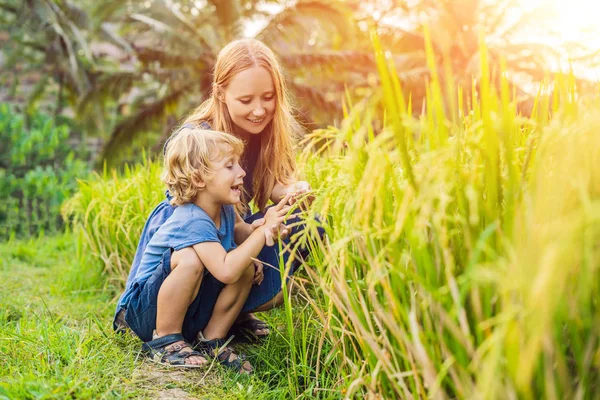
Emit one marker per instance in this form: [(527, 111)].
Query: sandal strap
[(156, 349), (236, 363), (251, 325), (208, 348), (164, 341), (178, 357)]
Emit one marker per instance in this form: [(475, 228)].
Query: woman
[(249, 99)]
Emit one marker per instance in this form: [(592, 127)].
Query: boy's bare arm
[(229, 267), (243, 230)]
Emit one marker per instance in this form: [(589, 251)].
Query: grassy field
[(56, 341)]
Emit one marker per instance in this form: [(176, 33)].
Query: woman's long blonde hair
[(276, 163)]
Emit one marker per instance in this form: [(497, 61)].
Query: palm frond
[(328, 13), (108, 86), (109, 32), (309, 95), (348, 60), (168, 59), (61, 36), (507, 32), (190, 27), (161, 29), (400, 40), (228, 13), (144, 119)]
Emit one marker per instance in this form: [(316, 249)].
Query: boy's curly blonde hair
[(189, 158)]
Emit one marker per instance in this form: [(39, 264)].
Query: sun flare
[(572, 20)]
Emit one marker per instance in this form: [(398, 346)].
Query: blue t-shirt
[(186, 226)]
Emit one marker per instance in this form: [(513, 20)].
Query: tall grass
[(108, 214), (463, 251), (462, 254)]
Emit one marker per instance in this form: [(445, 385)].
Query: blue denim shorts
[(141, 309)]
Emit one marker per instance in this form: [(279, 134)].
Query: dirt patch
[(164, 383)]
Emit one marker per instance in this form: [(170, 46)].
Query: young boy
[(192, 280)]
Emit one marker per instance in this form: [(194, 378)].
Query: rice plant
[(108, 214), (463, 248)]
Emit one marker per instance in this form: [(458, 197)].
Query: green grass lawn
[(56, 340)]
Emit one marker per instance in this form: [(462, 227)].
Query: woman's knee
[(188, 260)]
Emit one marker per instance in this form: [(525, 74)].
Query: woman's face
[(250, 99)]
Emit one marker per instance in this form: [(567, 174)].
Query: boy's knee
[(187, 259)]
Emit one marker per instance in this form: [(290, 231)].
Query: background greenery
[(38, 171)]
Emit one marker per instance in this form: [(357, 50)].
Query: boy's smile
[(226, 183), (237, 189)]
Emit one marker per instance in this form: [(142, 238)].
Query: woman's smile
[(256, 121)]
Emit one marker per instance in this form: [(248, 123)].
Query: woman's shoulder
[(197, 124), (188, 125)]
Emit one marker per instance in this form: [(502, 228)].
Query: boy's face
[(250, 99), (225, 186)]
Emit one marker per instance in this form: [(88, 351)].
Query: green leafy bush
[(38, 171)]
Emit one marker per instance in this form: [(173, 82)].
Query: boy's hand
[(258, 273), (274, 220), (274, 232)]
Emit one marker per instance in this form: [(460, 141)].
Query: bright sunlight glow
[(572, 20)]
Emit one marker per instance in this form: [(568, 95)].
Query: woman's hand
[(299, 189)]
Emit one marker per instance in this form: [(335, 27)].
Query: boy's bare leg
[(176, 294), (228, 306)]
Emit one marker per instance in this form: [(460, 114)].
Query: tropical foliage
[(138, 67), (38, 171), (174, 46), (47, 47)]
